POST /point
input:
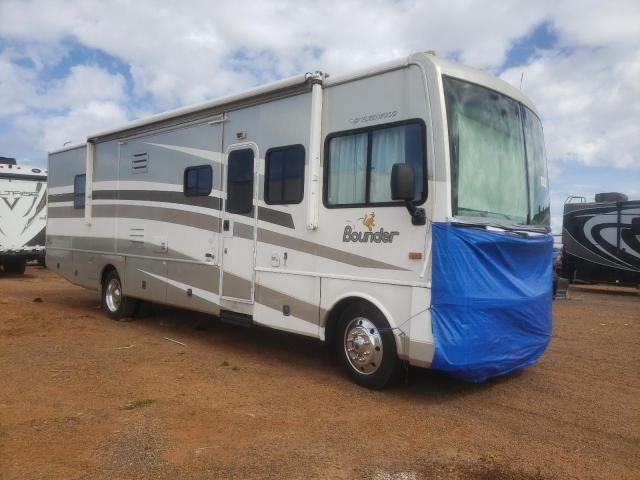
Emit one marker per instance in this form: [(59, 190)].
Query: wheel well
[(106, 271), (333, 316)]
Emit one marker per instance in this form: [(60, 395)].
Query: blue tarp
[(491, 300)]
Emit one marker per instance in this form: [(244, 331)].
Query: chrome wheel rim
[(363, 345), (113, 295)]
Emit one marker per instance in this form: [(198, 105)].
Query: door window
[(79, 185), (240, 181)]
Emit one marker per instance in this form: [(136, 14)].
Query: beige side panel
[(86, 269), (61, 262), (201, 279), (278, 292), (145, 279)]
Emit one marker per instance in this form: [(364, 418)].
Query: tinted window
[(358, 168), (284, 175), (198, 180), (79, 185), (240, 181)]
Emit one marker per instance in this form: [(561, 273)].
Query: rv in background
[(601, 239), (401, 212), (23, 215)]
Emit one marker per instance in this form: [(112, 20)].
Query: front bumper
[(491, 300)]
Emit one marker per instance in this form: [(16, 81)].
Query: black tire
[(116, 310), (387, 371), (17, 266)]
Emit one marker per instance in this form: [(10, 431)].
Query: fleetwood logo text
[(369, 236)]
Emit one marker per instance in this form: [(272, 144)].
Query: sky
[(75, 67)]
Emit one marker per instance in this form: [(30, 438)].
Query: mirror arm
[(418, 215)]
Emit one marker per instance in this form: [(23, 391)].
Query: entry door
[(239, 223)]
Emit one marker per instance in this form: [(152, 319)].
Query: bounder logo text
[(369, 236)]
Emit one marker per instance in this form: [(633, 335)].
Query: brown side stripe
[(280, 240), (239, 287), (203, 276), (298, 308), (97, 244), (272, 216), (241, 230), (235, 286), (107, 246), (60, 197), (213, 223), (265, 214), (162, 214), (159, 196), (65, 212)]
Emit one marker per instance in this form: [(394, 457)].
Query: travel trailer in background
[(601, 239), (400, 212), (23, 215)]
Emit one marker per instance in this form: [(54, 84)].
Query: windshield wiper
[(515, 228)]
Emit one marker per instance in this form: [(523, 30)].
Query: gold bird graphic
[(369, 221)]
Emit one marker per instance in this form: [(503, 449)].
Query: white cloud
[(16, 86), (84, 84), (181, 53), (35, 134), (589, 103)]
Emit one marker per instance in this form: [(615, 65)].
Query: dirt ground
[(84, 397)]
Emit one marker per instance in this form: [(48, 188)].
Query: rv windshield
[(498, 162)]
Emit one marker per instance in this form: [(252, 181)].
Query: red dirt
[(83, 397)]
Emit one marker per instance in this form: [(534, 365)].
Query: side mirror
[(403, 187), (403, 182)]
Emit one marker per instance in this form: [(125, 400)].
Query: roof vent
[(432, 53)]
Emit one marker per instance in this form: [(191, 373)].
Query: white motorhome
[(309, 205), (23, 215)]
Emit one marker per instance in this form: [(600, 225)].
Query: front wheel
[(367, 347), (114, 302)]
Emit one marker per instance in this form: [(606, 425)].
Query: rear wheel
[(17, 266), (367, 347), (114, 302)]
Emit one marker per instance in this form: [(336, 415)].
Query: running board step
[(235, 318)]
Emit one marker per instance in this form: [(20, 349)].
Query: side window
[(79, 185), (347, 170), (198, 181), (358, 167), (240, 181), (284, 175)]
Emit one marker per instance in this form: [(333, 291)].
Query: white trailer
[(23, 215), (309, 205)]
